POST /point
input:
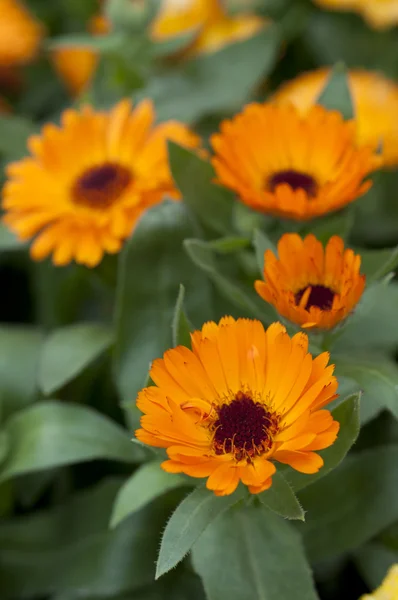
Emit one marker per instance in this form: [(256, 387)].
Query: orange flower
[(20, 34), (375, 100), (388, 589), (309, 285), (380, 14), (88, 181), (287, 164), (241, 399), (77, 65)]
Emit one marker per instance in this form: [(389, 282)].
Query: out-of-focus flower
[(388, 589), (20, 34), (76, 65), (296, 166), (380, 14), (309, 285), (375, 101), (88, 181), (241, 399)]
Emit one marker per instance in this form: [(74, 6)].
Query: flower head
[(240, 400), (20, 34), (375, 102), (88, 181), (309, 285), (388, 589), (380, 14), (287, 164)]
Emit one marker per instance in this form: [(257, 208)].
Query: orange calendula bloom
[(291, 165), (309, 285), (20, 34), (388, 589), (240, 400), (88, 181), (379, 14), (375, 101)]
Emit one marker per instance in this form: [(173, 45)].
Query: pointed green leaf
[(281, 499), (51, 434), (336, 94), (262, 243), (249, 552), (188, 522), (230, 244), (68, 351), (378, 263), (146, 484), (181, 327)]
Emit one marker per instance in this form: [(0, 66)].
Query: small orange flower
[(309, 285), (88, 181), (20, 34), (241, 399), (291, 165), (388, 589), (380, 14), (375, 101)]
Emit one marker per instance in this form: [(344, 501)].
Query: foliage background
[(75, 344)]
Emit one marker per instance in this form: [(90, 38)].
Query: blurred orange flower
[(380, 14), (20, 34)]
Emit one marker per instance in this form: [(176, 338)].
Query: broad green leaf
[(281, 499), (218, 81), (377, 376), (8, 241), (262, 243), (181, 326), (194, 177), (146, 484), (378, 263), (347, 414), (336, 94), (373, 561), (51, 434), (69, 549), (202, 255), (68, 351), (19, 357), (249, 552), (14, 133), (188, 522), (153, 265), (352, 504)]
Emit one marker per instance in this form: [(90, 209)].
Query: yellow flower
[(76, 65), (309, 285), (388, 589), (291, 165), (20, 34), (88, 181), (241, 399), (380, 14), (375, 101)]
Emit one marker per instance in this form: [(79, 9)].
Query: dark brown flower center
[(296, 180), (101, 186), (244, 428), (320, 296)]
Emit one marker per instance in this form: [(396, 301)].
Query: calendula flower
[(380, 14), (20, 34), (77, 65), (309, 285), (89, 180), (388, 589), (240, 400), (375, 101), (291, 165)]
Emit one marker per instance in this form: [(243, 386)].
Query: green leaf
[(281, 499), (336, 94), (194, 177), (153, 265), (249, 552), (375, 264), (339, 224), (351, 505), (51, 434), (202, 255), (377, 376), (8, 240), (347, 414), (188, 522), (230, 244), (181, 326), (19, 357), (68, 351), (174, 44), (100, 43), (373, 561), (146, 484), (14, 133), (262, 243)]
